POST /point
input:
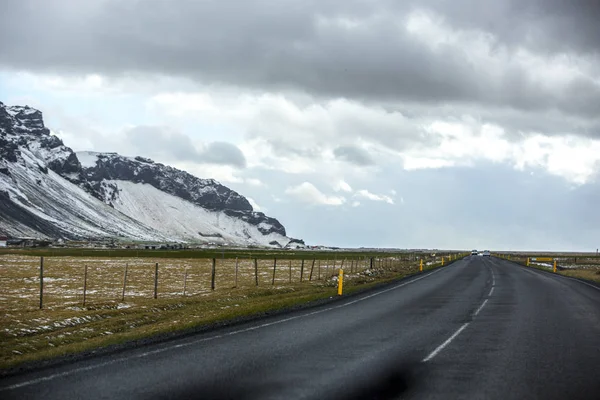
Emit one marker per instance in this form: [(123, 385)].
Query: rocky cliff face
[(33, 163), (100, 168)]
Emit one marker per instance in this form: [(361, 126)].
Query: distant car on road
[(486, 253), (474, 252)]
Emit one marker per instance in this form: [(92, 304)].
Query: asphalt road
[(481, 328)]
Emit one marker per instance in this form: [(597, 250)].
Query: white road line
[(446, 343), (480, 307), (531, 270), (180, 345), (551, 277), (576, 280), (463, 326)]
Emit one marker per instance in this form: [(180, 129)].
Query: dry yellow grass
[(64, 278), (66, 326), (592, 274)]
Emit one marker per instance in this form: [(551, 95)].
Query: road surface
[(480, 328)]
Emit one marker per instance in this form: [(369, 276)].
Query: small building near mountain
[(3, 241)]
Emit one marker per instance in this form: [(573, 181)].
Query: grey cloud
[(286, 45), (223, 153), (354, 155), (488, 206), (553, 26), (164, 143)]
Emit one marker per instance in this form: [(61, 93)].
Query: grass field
[(575, 265), (214, 253), (65, 325)]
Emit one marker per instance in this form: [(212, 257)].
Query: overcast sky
[(411, 124)]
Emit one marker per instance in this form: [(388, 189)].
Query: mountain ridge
[(99, 187)]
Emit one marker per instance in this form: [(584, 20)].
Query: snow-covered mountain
[(47, 190)]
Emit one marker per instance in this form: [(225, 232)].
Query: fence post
[(274, 267), (124, 282), (185, 281), (371, 264), (301, 270), (84, 284), (311, 270), (236, 272), (319, 270), (213, 273), (155, 280), (41, 282), (256, 272)]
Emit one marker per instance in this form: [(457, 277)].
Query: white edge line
[(558, 275), (577, 280), (103, 364), (446, 343)]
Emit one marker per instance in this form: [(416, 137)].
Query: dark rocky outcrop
[(23, 128)]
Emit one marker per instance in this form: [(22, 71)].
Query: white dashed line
[(446, 343), (480, 307), (463, 326)]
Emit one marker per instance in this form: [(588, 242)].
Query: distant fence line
[(112, 279), (553, 262)]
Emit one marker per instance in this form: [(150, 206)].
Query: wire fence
[(28, 282)]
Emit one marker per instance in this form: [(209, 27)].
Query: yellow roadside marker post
[(340, 282), (528, 261), (421, 266), (554, 266), (442, 260)]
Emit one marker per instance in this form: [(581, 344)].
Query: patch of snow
[(178, 218), (265, 225), (87, 159)]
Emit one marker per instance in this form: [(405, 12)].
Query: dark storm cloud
[(354, 155), (356, 49), (160, 142), (552, 26)]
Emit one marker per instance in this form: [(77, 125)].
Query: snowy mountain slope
[(39, 202), (176, 217), (48, 190), (98, 169)]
